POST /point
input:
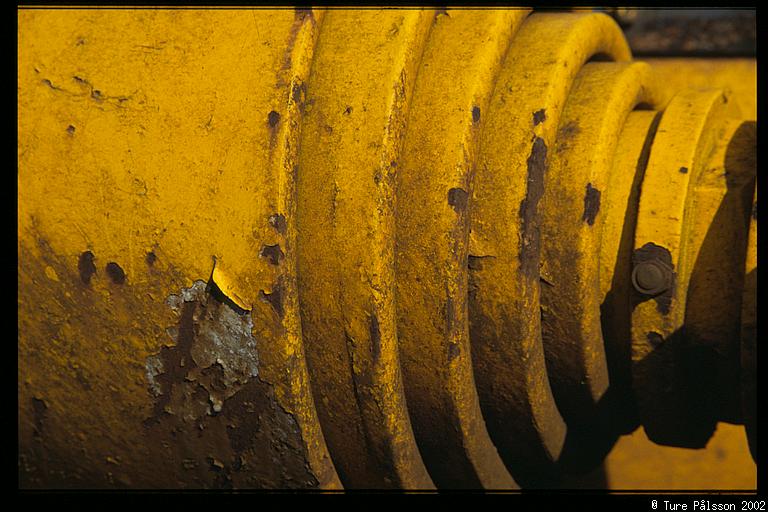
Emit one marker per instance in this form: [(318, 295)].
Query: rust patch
[(273, 253), (569, 129), (86, 267), (299, 93), (300, 13), (529, 217), (453, 351), (115, 272), (214, 355), (394, 30), (650, 252), (275, 299), (539, 116), (591, 204), (476, 262), (457, 198), (565, 133), (273, 118), (654, 338), (266, 441), (209, 383), (277, 221)]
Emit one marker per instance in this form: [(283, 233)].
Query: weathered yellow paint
[(686, 135), (139, 132), (720, 209), (577, 188), (304, 248), (579, 171), (434, 180), (531, 91), (619, 212), (738, 76), (358, 100)]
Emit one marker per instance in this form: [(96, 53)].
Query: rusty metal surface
[(574, 211), (135, 194), (345, 242), (309, 248)]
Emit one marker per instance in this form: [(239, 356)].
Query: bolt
[(651, 277)]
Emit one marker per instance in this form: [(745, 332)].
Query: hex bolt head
[(651, 277)]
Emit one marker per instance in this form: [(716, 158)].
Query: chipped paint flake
[(214, 354)]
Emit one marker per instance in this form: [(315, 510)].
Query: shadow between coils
[(616, 309), (615, 414), (681, 415), (690, 380), (713, 307), (587, 445)]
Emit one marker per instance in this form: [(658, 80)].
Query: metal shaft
[(371, 249)]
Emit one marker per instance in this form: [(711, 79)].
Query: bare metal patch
[(154, 368), (214, 353), (207, 383)]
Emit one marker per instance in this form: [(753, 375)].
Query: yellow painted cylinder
[(377, 248)]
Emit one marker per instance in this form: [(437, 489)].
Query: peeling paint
[(529, 216), (222, 354), (224, 389), (278, 222), (208, 380), (86, 267), (154, 366), (458, 198), (591, 204)]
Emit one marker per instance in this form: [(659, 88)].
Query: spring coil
[(487, 243)]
